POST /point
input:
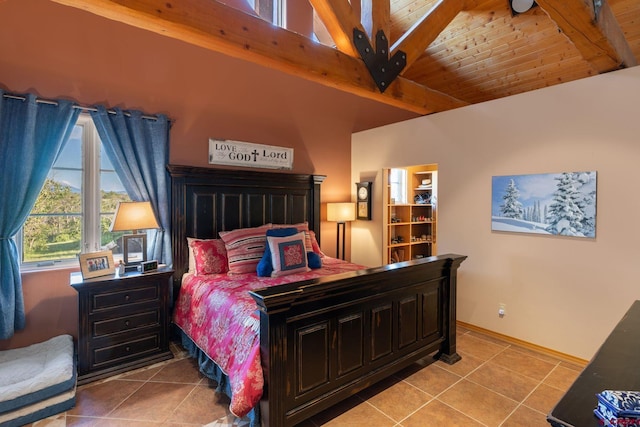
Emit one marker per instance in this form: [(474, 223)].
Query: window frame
[(91, 201), (398, 185)]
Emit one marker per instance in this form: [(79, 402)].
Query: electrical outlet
[(502, 309)]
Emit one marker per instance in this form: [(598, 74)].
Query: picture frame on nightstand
[(96, 264)]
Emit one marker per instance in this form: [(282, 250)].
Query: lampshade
[(133, 216), (341, 212)]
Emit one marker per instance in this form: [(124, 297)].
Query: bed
[(321, 337)]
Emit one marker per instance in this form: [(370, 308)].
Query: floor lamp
[(341, 213)]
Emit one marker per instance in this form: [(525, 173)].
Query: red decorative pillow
[(192, 257), (245, 247), (210, 256)]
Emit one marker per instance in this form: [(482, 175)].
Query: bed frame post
[(448, 353), (315, 209)]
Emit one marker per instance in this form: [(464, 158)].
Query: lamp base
[(338, 240), (134, 249)]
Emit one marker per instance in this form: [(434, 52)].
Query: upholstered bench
[(37, 381)]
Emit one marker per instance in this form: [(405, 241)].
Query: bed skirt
[(211, 370)]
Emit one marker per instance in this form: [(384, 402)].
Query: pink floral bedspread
[(218, 314)]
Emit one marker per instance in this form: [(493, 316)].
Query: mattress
[(37, 381)]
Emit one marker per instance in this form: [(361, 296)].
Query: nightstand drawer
[(126, 323), (123, 297), (129, 349)]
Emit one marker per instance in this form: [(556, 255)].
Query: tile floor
[(495, 384)]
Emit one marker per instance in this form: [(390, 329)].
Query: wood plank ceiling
[(458, 52)]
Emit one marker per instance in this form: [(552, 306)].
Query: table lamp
[(341, 213), (134, 216)]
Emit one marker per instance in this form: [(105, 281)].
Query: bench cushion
[(38, 379)]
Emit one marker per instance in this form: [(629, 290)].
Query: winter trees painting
[(559, 204)]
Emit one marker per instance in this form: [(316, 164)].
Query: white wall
[(561, 293)]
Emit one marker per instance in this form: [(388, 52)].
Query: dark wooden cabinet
[(615, 366), (123, 322)]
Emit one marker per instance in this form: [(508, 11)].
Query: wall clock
[(364, 200)]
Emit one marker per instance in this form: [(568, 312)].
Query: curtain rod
[(79, 107)]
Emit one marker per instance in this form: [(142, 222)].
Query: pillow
[(265, 266), (192, 258), (314, 244), (210, 256), (245, 247), (314, 260), (301, 226), (288, 254)]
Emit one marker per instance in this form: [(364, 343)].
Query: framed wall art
[(553, 204)]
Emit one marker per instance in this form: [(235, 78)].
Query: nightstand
[(123, 322)]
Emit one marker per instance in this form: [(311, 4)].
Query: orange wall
[(61, 52)]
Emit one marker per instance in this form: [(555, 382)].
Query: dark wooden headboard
[(205, 201)]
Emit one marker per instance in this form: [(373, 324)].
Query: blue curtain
[(31, 136), (138, 148)]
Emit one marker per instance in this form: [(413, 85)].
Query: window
[(74, 209), (273, 11), (398, 185)]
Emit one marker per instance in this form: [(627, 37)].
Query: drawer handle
[(128, 349), (127, 323), (127, 297)]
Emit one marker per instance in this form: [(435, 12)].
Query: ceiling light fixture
[(521, 6)]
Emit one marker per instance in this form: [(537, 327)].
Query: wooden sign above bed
[(246, 154)]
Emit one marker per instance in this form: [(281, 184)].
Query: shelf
[(398, 245), (421, 184)]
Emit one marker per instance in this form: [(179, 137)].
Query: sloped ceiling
[(457, 52)]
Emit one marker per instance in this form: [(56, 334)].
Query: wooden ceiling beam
[(376, 16), (599, 39), (339, 20), (216, 27), (416, 40)]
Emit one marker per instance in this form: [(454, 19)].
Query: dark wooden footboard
[(324, 340)]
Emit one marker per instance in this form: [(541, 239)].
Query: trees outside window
[(74, 209)]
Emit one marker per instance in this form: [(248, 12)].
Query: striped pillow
[(245, 247)]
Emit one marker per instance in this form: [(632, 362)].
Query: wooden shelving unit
[(411, 225)]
